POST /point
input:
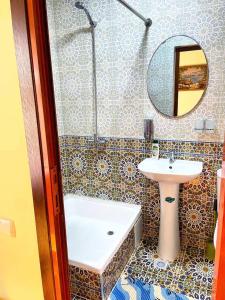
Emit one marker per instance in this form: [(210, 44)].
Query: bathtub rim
[(138, 215)]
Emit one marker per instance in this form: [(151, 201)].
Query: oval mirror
[(177, 76)]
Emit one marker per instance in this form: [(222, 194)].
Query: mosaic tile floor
[(190, 274), (128, 289)]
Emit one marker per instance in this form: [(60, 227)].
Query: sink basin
[(170, 176), (180, 171)]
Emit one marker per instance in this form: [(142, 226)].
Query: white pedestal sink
[(169, 176)]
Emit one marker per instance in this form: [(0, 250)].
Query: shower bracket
[(148, 21)]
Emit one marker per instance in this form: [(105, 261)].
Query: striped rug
[(129, 289)]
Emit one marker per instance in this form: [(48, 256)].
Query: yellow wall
[(20, 277), (188, 99), (196, 57)]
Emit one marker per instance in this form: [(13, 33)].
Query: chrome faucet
[(171, 157)]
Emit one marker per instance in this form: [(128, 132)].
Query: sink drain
[(110, 232)]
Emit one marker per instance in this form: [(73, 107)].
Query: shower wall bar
[(93, 24), (95, 95), (148, 22)]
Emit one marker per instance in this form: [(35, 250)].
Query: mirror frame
[(203, 94)]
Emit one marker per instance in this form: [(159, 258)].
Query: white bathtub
[(88, 220)]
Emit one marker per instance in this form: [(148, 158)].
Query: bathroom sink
[(161, 170), (170, 173)]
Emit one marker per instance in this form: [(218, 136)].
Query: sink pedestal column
[(169, 238)]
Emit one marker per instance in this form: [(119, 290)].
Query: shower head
[(79, 5)]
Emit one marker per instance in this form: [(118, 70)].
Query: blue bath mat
[(129, 289)]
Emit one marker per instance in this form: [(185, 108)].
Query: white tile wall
[(124, 49)]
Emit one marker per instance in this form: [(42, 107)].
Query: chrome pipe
[(93, 24), (95, 95), (79, 5), (148, 22)]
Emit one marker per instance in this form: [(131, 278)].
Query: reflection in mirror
[(177, 76)]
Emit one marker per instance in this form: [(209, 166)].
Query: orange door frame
[(219, 274)]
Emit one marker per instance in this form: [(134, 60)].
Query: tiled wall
[(111, 173), (124, 49)]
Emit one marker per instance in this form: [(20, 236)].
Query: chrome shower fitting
[(79, 5), (171, 158), (93, 24), (148, 22)]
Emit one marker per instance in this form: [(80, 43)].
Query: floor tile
[(191, 273)]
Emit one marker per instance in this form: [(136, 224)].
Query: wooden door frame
[(218, 289), (29, 19), (177, 51)]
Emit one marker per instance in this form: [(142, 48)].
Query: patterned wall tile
[(115, 268), (124, 49), (102, 166), (151, 209), (128, 170), (86, 277), (110, 172), (84, 292)]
